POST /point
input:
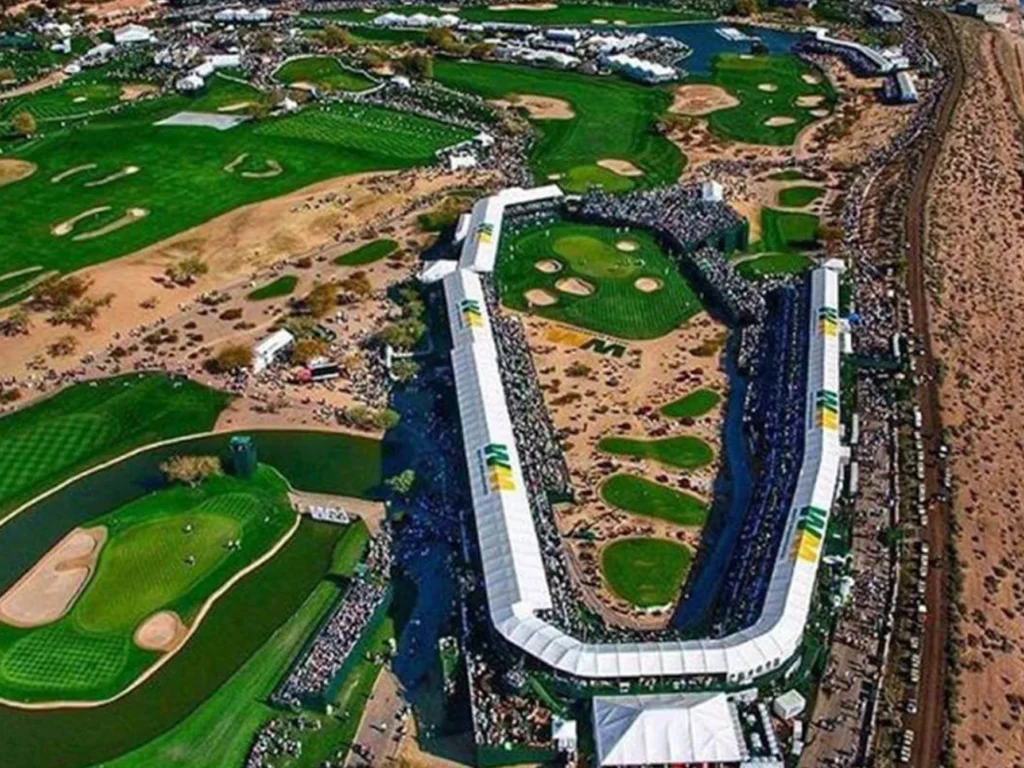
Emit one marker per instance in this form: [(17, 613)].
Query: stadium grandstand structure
[(514, 574)]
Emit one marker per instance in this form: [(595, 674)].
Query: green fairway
[(643, 497), (571, 13), (646, 572), (89, 423), (282, 286), (589, 253), (237, 626), (774, 264), (799, 197), (350, 549), (169, 550), (367, 254), (171, 162), (614, 119), (692, 404), (684, 451), (742, 75), (787, 175), (324, 72), (786, 231), (220, 731)]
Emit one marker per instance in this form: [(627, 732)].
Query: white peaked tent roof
[(480, 248), (514, 574), (670, 728)]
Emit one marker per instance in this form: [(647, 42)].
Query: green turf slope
[(88, 423), (614, 119), (170, 550)]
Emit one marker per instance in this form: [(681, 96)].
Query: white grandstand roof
[(514, 573), (480, 248), (671, 728)]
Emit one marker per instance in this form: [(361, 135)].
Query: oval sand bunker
[(548, 266), (648, 284), (627, 246), (574, 286), (538, 297), (163, 631)]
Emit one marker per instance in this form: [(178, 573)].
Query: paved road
[(929, 724)]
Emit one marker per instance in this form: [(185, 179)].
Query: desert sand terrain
[(538, 107), (701, 99), (975, 242)]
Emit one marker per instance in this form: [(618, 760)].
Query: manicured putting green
[(613, 118), (592, 254), (787, 175), (646, 572), (324, 72), (88, 423), (786, 231), (282, 286), (649, 499), (584, 177), (692, 405), (169, 550), (774, 264), (685, 452), (798, 197), (367, 254)]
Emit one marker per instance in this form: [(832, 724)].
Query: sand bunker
[(230, 167), (522, 7), (130, 216), (79, 100), (538, 107), (236, 107), (50, 587), (809, 101), (574, 286), (621, 167), (701, 99), (163, 631), (627, 246), (66, 226), (599, 21), (810, 79), (128, 170), (548, 266), (554, 176), (441, 8), (767, 87), (134, 91), (648, 284), (778, 121), (819, 112), (71, 172), (538, 297), (273, 169), (12, 170)]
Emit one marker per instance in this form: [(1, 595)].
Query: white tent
[(668, 728)]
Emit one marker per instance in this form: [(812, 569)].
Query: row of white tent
[(514, 574)]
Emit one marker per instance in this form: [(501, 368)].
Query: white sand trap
[(810, 101), (538, 107), (66, 226), (819, 112), (522, 7), (701, 99), (778, 121), (599, 21), (648, 284), (128, 170), (810, 79), (203, 120), (79, 100), (538, 297), (230, 167), (548, 266), (621, 167), (574, 286), (441, 8), (619, 23), (71, 172), (627, 246), (163, 631), (50, 587), (130, 217), (554, 176), (12, 170), (273, 169), (134, 91), (767, 87), (238, 106)]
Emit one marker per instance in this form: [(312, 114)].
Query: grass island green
[(649, 499), (88, 423), (367, 254), (799, 197), (595, 255), (282, 286), (647, 572), (684, 451), (692, 405), (170, 550)]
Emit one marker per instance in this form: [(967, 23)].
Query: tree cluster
[(190, 470)]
